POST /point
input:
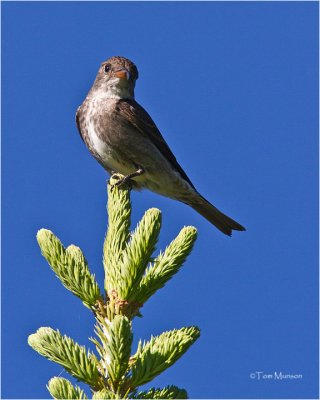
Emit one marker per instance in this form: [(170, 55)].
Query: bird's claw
[(125, 180), (121, 180)]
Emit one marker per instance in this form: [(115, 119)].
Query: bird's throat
[(114, 91)]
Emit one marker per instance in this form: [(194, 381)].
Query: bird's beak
[(122, 74)]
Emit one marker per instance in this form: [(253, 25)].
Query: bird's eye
[(107, 68)]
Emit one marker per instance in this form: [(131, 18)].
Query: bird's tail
[(213, 215)]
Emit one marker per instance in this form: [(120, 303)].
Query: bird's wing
[(132, 113), (78, 122)]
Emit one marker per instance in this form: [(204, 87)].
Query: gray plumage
[(122, 137)]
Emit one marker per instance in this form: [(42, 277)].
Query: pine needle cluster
[(132, 275)]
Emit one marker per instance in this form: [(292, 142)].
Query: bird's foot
[(121, 180), (127, 178), (116, 180)]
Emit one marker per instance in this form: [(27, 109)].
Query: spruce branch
[(139, 250), (70, 267), (80, 363), (169, 392), (61, 388), (105, 394), (118, 234), (114, 348), (160, 352), (166, 264), (132, 275)]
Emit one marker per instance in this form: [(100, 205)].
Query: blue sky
[(233, 87)]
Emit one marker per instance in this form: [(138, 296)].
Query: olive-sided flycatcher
[(123, 138)]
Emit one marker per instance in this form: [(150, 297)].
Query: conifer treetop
[(132, 276)]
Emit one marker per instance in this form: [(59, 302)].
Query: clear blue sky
[(233, 87)]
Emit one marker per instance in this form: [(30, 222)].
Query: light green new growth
[(169, 392), (137, 254), (160, 352), (70, 267), (116, 339), (132, 275), (61, 388), (80, 363), (118, 234), (166, 264), (105, 394)]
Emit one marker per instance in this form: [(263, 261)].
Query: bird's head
[(116, 79)]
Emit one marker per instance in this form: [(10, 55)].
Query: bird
[(123, 138)]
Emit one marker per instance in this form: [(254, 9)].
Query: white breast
[(105, 153), (98, 145)]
